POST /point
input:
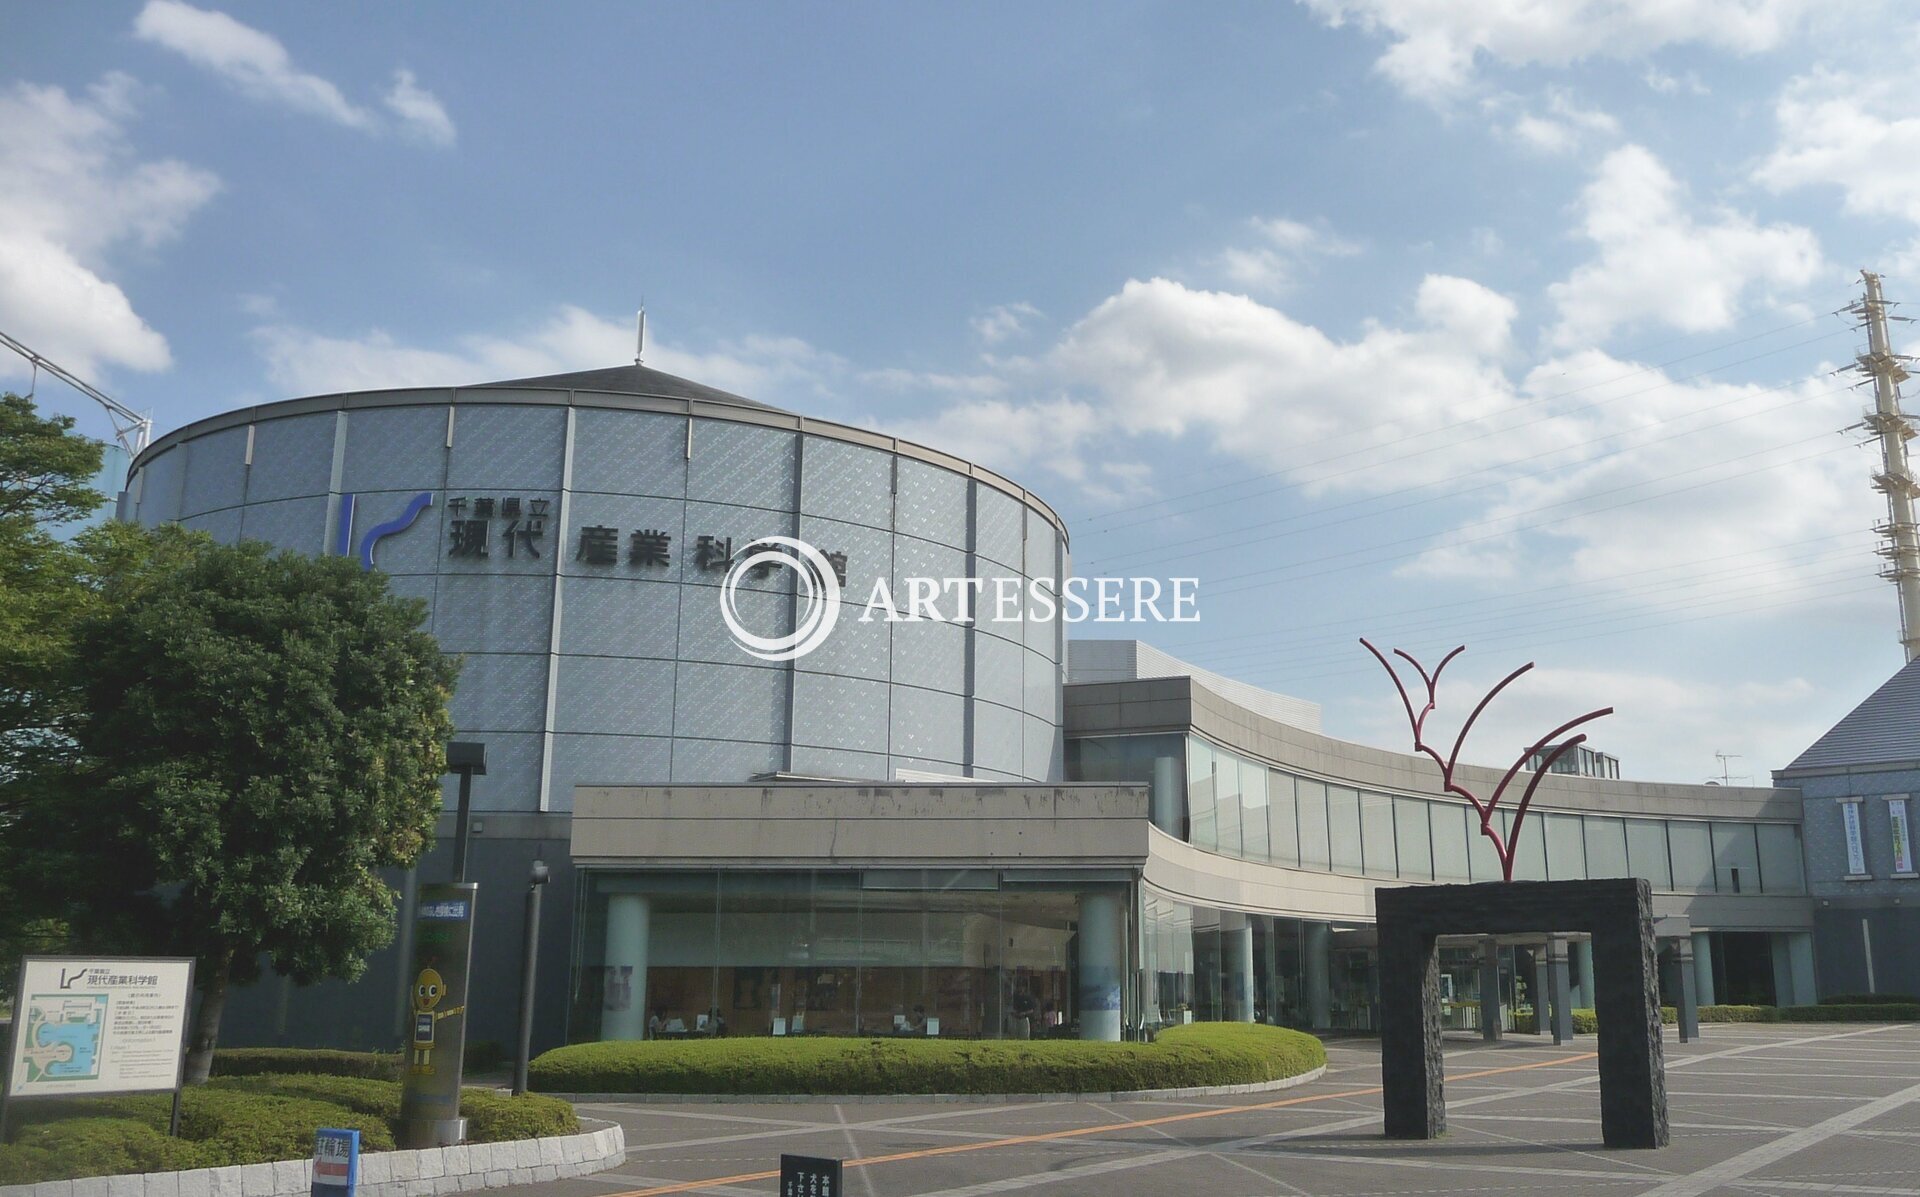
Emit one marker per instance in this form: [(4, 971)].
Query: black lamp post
[(529, 958), (465, 757)]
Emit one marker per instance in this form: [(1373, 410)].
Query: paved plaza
[(1758, 1111)]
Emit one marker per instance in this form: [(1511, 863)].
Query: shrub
[(242, 1120), (1870, 999), (1192, 1055), (251, 1061), (1586, 1022), (93, 1147), (1891, 1012), (498, 1118)]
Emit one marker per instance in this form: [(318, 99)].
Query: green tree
[(46, 470), (260, 735)]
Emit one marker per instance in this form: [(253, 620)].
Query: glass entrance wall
[(1195, 961), (957, 953)]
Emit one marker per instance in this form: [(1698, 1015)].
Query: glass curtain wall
[(1229, 803), (951, 953)]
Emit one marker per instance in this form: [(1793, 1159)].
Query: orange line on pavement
[(691, 1186)]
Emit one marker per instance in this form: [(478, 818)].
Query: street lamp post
[(465, 757), (529, 959)]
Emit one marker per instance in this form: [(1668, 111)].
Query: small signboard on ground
[(92, 1026), (336, 1163), (809, 1176)]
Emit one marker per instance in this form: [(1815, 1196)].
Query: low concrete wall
[(382, 1174)]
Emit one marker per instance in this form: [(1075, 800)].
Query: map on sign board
[(63, 1036), (98, 1025)]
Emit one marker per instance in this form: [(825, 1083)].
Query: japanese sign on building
[(481, 527), (98, 1025)]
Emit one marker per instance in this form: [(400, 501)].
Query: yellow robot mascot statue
[(428, 989)]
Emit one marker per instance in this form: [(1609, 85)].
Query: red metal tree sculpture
[(1503, 844)]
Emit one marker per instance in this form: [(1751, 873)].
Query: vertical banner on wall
[(1902, 831), (437, 1028), (1856, 849)]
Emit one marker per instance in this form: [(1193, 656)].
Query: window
[(1202, 831), (1692, 849), (1314, 837), (1647, 852), (1376, 836), (1528, 848), (1253, 810), (1282, 821), (1226, 800), (1566, 846), (1607, 846), (1413, 836), (1343, 828), (1452, 825), (1736, 861), (1780, 868)]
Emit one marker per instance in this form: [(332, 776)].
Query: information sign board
[(437, 1028), (93, 1025), (336, 1162), (809, 1176)]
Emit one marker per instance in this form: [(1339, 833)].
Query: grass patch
[(1197, 1054), (242, 1120)]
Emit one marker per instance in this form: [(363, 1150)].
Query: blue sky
[(1507, 323)]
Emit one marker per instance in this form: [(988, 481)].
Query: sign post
[(336, 1163), (437, 1030), (809, 1176), (97, 1025)]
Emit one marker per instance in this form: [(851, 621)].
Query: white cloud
[(1565, 127), (259, 66), (75, 194), (1658, 262), (1436, 43), (420, 112), (1850, 130), (1284, 247), (1004, 321), (1162, 358), (252, 61), (305, 362), (1667, 85), (1014, 438)]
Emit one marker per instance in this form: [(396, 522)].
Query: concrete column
[(624, 1010), (1102, 960), (1580, 957), (1316, 960), (1270, 969), (1689, 1012), (1800, 967), (1490, 991), (1164, 798), (1558, 989), (1703, 967), (1236, 966)]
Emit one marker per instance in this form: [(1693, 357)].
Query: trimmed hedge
[(243, 1120), (1585, 1022), (253, 1061), (1182, 1057), (1870, 999)]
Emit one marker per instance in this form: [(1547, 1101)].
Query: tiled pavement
[(1761, 1111)]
